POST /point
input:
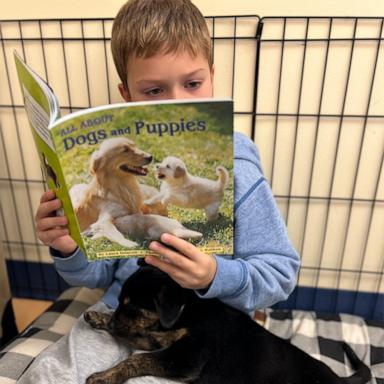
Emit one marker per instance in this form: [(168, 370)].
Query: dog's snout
[(149, 158)]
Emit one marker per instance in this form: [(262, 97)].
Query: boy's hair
[(143, 28)]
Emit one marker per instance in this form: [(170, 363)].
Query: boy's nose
[(178, 93)]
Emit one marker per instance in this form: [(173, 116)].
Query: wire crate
[(308, 90)]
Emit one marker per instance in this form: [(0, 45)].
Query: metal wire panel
[(319, 126), (307, 90), (74, 57)]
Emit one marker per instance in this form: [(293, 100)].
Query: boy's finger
[(51, 222), (171, 256), (181, 245), (47, 209), (49, 237), (47, 195)]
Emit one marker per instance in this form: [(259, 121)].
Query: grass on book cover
[(136, 172)]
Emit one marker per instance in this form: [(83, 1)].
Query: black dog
[(203, 341)]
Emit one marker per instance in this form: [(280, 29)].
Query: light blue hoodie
[(261, 272)]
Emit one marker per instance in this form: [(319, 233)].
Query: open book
[(126, 173)]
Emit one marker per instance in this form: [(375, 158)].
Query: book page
[(38, 118)]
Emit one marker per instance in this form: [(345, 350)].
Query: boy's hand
[(51, 229), (185, 264)]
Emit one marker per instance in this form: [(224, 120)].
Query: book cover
[(130, 172)]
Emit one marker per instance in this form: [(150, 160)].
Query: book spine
[(38, 102)]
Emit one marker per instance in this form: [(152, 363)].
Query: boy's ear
[(124, 93)]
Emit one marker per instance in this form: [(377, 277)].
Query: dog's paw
[(97, 320), (87, 233), (128, 243), (97, 378), (106, 377)]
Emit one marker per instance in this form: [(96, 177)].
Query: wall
[(20, 9)]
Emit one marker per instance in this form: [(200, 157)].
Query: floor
[(26, 310)]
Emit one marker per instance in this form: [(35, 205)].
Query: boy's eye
[(193, 84), (153, 91)]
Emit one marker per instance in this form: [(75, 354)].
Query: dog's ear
[(95, 162), (179, 172), (169, 305)]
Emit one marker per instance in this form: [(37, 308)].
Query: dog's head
[(171, 169), (149, 301), (119, 156)]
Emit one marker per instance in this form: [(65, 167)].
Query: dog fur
[(114, 189), (140, 227), (184, 190), (151, 227), (203, 341)]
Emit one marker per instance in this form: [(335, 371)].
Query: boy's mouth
[(136, 170)]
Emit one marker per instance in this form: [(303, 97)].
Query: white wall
[(20, 9)]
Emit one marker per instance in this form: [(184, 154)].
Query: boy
[(162, 50)]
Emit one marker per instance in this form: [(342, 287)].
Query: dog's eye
[(168, 166), (126, 301)]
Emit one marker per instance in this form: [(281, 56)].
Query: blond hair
[(143, 28)]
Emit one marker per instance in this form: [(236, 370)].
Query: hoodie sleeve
[(76, 270), (264, 267)]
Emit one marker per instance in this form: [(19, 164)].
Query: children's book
[(127, 173)]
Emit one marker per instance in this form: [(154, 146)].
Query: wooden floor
[(27, 310)]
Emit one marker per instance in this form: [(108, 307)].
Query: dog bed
[(318, 334), (322, 335)]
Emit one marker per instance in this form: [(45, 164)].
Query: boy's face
[(168, 76)]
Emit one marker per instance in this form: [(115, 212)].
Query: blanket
[(320, 335)]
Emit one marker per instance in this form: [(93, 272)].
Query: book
[(128, 172)]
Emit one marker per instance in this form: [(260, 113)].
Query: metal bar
[(362, 140), (309, 190), (261, 114), (325, 227), (106, 64), (234, 59), (85, 64), (65, 67), (111, 18), (259, 32), (297, 122), (306, 214), (278, 104), (102, 39), (213, 39), (336, 270)]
